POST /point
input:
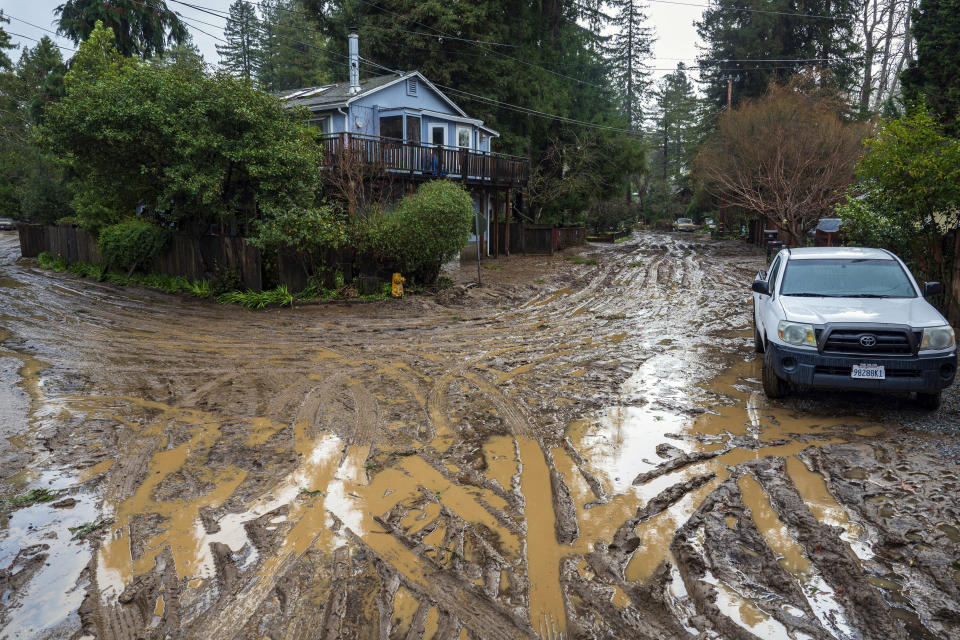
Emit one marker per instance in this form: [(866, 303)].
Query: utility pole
[(722, 227)]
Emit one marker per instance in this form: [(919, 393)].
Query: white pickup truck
[(850, 318)]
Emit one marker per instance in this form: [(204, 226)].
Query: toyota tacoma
[(850, 318)]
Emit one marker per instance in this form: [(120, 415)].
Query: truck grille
[(885, 342)]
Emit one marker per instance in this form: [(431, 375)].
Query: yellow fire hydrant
[(396, 290)]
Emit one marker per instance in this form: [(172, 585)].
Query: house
[(413, 130)]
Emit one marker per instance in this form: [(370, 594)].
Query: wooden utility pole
[(722, 227)]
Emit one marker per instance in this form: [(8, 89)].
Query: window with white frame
[(464, 137)]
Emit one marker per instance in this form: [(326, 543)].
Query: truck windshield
[(845, 278)]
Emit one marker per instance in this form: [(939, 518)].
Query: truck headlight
[(936, 338), (797, 333)]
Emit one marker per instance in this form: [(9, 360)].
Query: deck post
[(509, 211)]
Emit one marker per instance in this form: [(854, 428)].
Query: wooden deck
[(420, 161)]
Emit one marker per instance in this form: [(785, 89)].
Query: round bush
[(425, 230)]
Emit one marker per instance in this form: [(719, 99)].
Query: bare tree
[(787, 156), (887, 49), (356, 173)]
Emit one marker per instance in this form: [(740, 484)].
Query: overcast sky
[(673, 23)]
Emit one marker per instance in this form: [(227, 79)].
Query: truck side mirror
[(932, 289), (761, 286)]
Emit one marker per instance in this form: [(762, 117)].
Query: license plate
[(868, 372)]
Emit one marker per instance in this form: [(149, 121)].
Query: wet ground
[(571, 451)]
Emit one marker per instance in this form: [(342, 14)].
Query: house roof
[(338, 95)]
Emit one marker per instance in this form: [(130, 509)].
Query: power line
[(552, 116), (816, 16), (497, 53), (20, 35), (35, 26)]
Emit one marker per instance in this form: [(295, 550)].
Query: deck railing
[(424, 161)]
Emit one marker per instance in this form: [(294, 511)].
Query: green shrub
[(200, 289), (259, 299), (131, 244), (47, 261), (423, 231), (226, 281)]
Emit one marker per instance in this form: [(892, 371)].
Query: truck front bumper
[(803, 367)]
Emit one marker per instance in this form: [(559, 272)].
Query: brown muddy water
[(587, 457)]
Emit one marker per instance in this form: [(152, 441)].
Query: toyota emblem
[(868, 341)]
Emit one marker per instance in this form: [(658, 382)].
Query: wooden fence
[(194, 258), (536, 239)]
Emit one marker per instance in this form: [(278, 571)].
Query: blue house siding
[(390, 96)]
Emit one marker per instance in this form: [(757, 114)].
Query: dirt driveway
[(576, 451)]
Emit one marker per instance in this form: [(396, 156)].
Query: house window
[(438, 134), (464, 137), (413, 129), (411, 86), (323, 124), (391, 127)]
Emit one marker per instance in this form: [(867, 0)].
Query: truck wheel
[(774, 386), (929, 401), (757, 338)]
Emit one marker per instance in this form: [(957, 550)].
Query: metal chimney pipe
[(354, 63)]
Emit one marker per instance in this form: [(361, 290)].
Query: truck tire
[(757, 338), (929, 401), (774, 386)]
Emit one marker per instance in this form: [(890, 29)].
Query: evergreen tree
[(628, 50), (141, 27), (241, 55), (675, 132), (185, 52), (293, 54), (752, 42), (5, 43), (31, 182), (933, 75)]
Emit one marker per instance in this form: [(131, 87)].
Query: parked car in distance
[(6, 224), (828, 233), (850, 318), (684, 224)]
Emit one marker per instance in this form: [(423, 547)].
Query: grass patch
[(47, 261), (82, 531), (259, 299), (623, 239), (312, 492), (30, 498), (494, 267), (98, 272), (582, 260), (635, 265)]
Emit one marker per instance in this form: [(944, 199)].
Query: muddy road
[(575, 451)]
